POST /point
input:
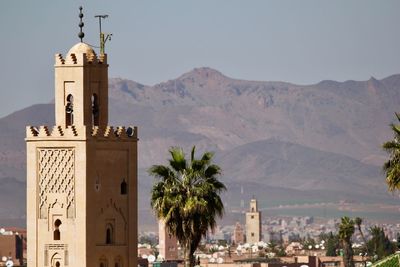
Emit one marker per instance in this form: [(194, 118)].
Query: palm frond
[(177, 161), (207, 156), (398, 116), (391, 167), (160, 171), (396, 129), (391, 146), (192, 153), (212, 171)]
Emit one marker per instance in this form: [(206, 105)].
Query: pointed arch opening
[(118, 262), (109, 234), (95, 110), (69, 111), (124, 187), (103, 262), (56, 233), (56, 260)]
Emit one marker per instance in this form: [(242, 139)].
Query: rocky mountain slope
[(309, 143), (349, 118)]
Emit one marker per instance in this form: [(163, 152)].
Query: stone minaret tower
[(81, 174), (168, 244), (253, 223), (238, 234)]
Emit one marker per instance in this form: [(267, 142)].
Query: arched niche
[(69, 110), (95, 110), (56, 232)]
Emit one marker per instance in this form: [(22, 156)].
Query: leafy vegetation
[(332, 245), (380, 244), (391, 262), (392, 166), (187, 197)]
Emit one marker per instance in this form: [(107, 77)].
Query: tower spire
[(81, 34)]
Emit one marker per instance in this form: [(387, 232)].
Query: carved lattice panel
[(56, 169)]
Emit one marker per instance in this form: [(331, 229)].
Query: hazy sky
[(153, 41)]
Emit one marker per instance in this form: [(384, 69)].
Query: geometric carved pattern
[(56, 169)]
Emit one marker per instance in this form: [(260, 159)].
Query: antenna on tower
[(104, 37)]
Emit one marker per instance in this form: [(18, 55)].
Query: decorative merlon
[(108, 132), (80, 59)]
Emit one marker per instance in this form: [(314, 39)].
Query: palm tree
[(346, 230), (187, 197), (392, 166), (358, 222)]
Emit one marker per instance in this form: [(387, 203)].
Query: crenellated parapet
[(80, 59), (110, 132), (79, 132)]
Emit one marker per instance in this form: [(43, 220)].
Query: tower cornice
[(108, 133)]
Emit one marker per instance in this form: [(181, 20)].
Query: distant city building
[(294, 248), (168, 245), (11, 246), (253, 223), (238, 234)]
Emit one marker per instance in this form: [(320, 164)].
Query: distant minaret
[(168, 245), (238, 234), (253, 223)]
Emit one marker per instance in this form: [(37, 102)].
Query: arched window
[(56, 260), (124, 188), (109, 234), (69, 110), (95, 110), (118, 262), (56, 233), (103, 262)]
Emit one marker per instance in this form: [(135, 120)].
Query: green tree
[(309, 241), (346, 231), (272, 245), (281, 252), (332, 244), (186, 195), (380, 244), (398, 241), (392, 166)]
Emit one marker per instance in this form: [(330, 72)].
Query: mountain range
[(280, 142)]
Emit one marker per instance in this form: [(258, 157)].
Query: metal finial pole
[(81, 34), (103, 37)]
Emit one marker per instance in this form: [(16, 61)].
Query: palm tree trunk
[(193, 244), (186, 253), (363, 238), (348, 254)]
